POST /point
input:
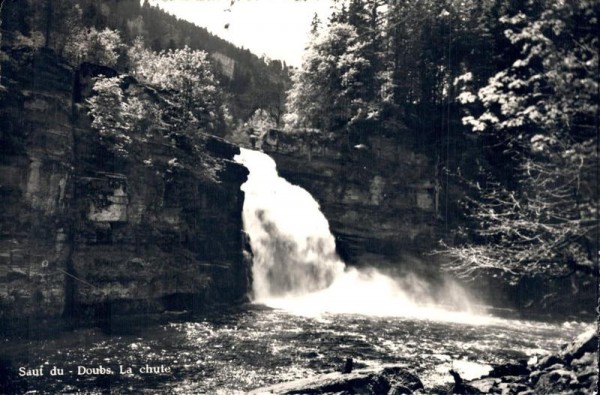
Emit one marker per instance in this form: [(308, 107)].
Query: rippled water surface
[(237, 350)]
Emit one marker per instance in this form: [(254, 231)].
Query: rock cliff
[(86, 233), (381, 199)]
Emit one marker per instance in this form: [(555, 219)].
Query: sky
[(275, 28)]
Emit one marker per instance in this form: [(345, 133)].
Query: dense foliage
[(378, 64), (513, 82), (544, 107), (189, 73)]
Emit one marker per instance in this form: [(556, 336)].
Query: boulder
[(549, 361), (574, 371), (556, 381), (459, 386), (389, 380), (509, 369), (399, 390), (485, 385), (586, 342), (398, 376), (331, 383), (585, 360)]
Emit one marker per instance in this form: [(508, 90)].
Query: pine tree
[(339, 86)]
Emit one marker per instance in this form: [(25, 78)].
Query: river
[(233, 350)]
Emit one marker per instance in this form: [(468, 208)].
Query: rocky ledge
[(574, 370)]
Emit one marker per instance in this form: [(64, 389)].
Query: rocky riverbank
[(574, 370)]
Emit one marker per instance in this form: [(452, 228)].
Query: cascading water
[(297, 269), (294, 252)]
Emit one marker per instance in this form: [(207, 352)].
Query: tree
[(100, 47), (378, 62), (64, 22), (136, 27), (105, 108), (122, 116), (544, 107), (260, 122), (310, 101), (198, 102), (338, 84)]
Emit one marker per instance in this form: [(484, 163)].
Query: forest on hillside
[(106, 32)]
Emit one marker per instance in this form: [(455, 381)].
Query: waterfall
[(294, 252), (296, 268)]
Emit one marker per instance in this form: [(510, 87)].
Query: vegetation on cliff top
[(104, 32), (182, 86)]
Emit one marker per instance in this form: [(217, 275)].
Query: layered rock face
[(84, 231), (380, 198), (387, 208)]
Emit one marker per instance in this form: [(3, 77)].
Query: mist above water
[(296, 268)]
